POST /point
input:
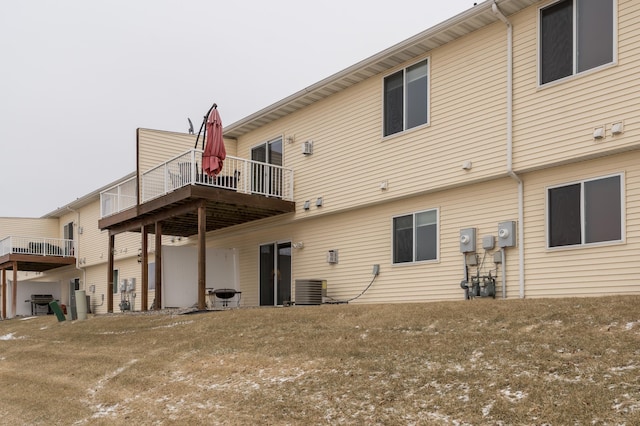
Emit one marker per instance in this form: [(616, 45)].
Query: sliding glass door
[(275, 274)]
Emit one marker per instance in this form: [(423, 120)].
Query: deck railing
[(119, 197), (37, 246), (238, 174)]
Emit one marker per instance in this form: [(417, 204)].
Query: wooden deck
[(178, 211)]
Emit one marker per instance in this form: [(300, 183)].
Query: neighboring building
[(503, 141)]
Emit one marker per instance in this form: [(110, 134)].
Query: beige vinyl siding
[(92, 243), (351, 158), (128, 267), (96, 275), (598, 269), (157, 146), (554, 123), (363, 237), (28, 227)]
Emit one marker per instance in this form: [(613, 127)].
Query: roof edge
[(432, 31)]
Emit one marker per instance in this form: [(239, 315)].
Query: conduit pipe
[(510, 172), (76, 247)]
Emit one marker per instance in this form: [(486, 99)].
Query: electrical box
[(131, 286), (497, 257), (332, 256), (488, 242), (507, 234), (123, 285), (468, 240)]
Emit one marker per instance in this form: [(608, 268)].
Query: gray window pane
[(417, 94), (393, 104), (595, 33), (426, 235), (426, 244), (275, 152), (556, 41), (564, 216), (403, 239), (603, 210)]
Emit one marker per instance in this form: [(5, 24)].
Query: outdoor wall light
[(319, 202), (298, 245), (307, 205)]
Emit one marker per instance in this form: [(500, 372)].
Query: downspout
[(77, 247), (510, 172)]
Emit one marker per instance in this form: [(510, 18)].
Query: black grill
[(40, 303)]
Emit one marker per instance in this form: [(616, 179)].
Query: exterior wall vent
[(307, 147), (309, 292)]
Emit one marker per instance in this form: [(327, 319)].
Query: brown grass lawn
[(480, 362)]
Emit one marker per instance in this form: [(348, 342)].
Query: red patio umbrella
[(214, 151)]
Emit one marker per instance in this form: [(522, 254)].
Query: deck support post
[(112, 241), (158, 259), (4, 294), (14, 290), (144, 261), (202, 255)]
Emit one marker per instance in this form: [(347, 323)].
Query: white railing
[(238, 174), (119, 197), (37, 246)]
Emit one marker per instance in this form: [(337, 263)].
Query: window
[(415, 237), (575, 36), (585, 212), (116, 281), (265, 179), (406, 99)]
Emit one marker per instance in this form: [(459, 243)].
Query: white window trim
[(623, 216), (416, 262), (404, 104), (575, 74)]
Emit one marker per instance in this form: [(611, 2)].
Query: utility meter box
[(468, 240), (488, 242), (507, 234)]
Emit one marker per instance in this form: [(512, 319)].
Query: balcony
[(36, 253), (244, 190)]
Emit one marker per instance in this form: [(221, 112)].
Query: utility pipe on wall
[(510, 172), (76, 248)]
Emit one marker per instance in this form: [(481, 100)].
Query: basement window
[(415, 237), (585, 212)]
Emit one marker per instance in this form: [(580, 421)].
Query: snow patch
[(513, 396), (10, 336), (174, 324)]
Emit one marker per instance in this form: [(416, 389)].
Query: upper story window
[(585, 212), (575, 36), (415, 237), (406, 98)]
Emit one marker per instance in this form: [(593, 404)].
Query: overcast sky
[(78, 77)]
